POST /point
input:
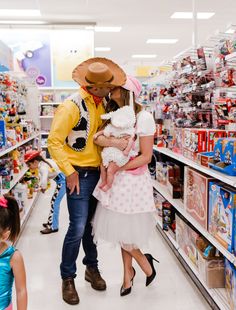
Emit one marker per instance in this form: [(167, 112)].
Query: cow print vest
[(78, 137)]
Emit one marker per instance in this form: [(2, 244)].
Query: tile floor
[(172, 290)]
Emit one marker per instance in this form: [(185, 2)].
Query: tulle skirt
[(131, 231)]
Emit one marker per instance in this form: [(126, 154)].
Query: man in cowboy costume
[(70, 144)]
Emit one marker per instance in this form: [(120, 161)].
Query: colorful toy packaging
[(168, 216), (222, 203), (194, 141), (196, 186), (177, 144), (186, 238), (230, 284), (212, 135)]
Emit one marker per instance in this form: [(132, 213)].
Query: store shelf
[(178, 205), (46, 116), (168, 234), (16, 178), (44, 133), (215, 174), (10, 149), (218, 295), (50, 103)]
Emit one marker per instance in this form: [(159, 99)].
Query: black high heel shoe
[(150, 259), (127, 291)]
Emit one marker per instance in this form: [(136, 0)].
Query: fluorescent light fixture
[(104, 29), (22, 13), (144, 56), (189, 15), (22, 22), (230, 31), (162, 41), (102, 49)]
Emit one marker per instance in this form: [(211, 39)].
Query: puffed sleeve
[(145, 124)]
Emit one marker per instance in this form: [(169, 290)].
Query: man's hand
[(72, 182), (121, 143)]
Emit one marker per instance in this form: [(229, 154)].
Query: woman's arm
[(146, 150), (119, 143), (18, 269)]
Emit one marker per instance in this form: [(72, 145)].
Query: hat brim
[(79, 73)]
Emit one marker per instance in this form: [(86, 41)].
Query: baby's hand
[(122, 143)]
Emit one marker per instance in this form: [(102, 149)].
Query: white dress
[(125, 213)]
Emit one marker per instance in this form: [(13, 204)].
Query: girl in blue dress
[(11, 261)]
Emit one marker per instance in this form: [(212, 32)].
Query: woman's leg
[(141, 260), (128, 269)]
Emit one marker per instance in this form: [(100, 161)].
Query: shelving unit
[(50, 103), (218, 295), (16, 178), (179, 206), (215, 174), (46, 116)]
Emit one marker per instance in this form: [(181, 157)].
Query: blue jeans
[(81, 210), (53, 218)]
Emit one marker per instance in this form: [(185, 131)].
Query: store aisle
[(173, 290)]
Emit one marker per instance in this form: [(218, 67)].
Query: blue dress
[(6, 278)]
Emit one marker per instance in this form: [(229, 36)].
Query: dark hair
[(39, 158), (10, 218)]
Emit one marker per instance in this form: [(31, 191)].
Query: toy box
[(212, 135), (161, 172), (2, 133), (186, 238), (212, 271), (174, 183), (168, 216), (177, 143), (222, 200), (47, 97), (205, 158), (158, 200), (194, 141), (196, 187), (230, 284)]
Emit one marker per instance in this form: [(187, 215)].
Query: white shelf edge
[(28, 207), (173, 241), (10, 149), (44, 133), (178, 205), (215, 174), (216, 294), (17, 177)]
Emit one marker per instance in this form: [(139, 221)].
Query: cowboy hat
[(31, 155), (100, 72)]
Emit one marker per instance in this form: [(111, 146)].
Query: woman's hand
[(119, 143)]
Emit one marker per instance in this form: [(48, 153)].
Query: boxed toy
[(3, 138), (158, 200), (174, 183), (212, 271), (194, 141), (222, 203), (230, 283), (177, 143), (212, 134), (161, 172), (168, 216), (186, 238), (196, 187), (47, 97)]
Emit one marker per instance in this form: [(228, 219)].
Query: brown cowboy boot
[(93, 276), (69, 293)]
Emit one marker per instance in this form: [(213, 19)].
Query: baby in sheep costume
[(122, 123)]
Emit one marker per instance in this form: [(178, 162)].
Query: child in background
[(11, 261), (48, 169)]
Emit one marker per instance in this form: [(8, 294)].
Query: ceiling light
[(22, 13), (104, 29), (162, 41), (144, 56), (102, 49), (189, 15), (22, 22), (230, 31)]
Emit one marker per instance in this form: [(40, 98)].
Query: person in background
[(48, 170), (11, 261), (71, 145), (125, 212)]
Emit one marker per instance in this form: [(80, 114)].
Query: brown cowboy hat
[(100, 72)]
